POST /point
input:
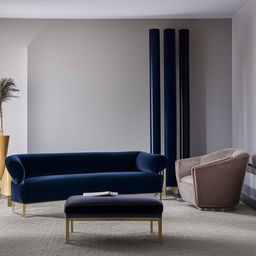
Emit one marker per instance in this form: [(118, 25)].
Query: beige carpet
[(187, 232)]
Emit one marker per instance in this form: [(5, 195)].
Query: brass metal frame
[(9, 200), (23, 214), (173, 190), (168, 190), (151, 226), (70, 224), (160, 195), (164, 184)]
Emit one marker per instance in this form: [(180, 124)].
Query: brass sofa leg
[(9, 201), (13, 206), (164, 184), (23, 214), (24, 210), (160, 235), (67, 231)]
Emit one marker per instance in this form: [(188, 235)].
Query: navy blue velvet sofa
[(56, 176)]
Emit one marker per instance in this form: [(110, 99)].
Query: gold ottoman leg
[(160, 235), (151, 226), (67, 231), (72, 226)]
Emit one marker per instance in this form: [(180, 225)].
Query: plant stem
[(1, 121)]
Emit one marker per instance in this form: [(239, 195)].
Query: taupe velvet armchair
[(212, 181)]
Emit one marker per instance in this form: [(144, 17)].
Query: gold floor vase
[(6, 184), (4, 141)]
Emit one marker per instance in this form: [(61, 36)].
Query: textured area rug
[(187, 232)]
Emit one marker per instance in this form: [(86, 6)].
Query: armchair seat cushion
[(60, 187), (186, 189), (187, 179)]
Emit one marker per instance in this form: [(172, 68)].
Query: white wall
[(88, 84), (244, 78)]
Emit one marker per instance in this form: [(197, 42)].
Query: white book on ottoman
[(103, 193)]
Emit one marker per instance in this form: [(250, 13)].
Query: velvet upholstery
[(50, 177), (113, 206), (151, 162), (214, 180)]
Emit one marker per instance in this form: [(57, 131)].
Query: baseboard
[(248, 201), (248, 195), (172, 190)]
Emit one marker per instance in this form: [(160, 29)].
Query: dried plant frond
[(7, 90)]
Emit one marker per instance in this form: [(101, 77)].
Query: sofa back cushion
[(68, 163)]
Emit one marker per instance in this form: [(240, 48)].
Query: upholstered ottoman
[(113, 208)]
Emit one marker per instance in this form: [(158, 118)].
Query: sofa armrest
[(151, 162), (15, 168)]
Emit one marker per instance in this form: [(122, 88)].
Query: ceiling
[(123, 9)]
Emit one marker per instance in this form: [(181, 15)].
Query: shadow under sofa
[(57, 176)]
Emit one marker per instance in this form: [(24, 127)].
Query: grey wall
[(244, 91), (244, 78), (15, 36), (88, 85)]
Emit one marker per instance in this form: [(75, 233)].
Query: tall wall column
[(155, 111), (184, 93), (170, 109)]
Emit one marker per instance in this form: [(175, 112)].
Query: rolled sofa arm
[(15, 168), (151, 162)]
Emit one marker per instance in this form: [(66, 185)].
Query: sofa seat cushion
[(60, 187), (187, 179), (187, 192), (113, 206)]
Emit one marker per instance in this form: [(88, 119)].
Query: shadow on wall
[(198, 76)]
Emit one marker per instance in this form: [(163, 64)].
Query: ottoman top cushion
[(113, 206)]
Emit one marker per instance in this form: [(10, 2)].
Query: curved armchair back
[(224, 153)]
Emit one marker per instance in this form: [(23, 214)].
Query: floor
[(187, 232)]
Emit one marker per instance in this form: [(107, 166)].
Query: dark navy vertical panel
[(184, 93), (155, 115), (170, 116)]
